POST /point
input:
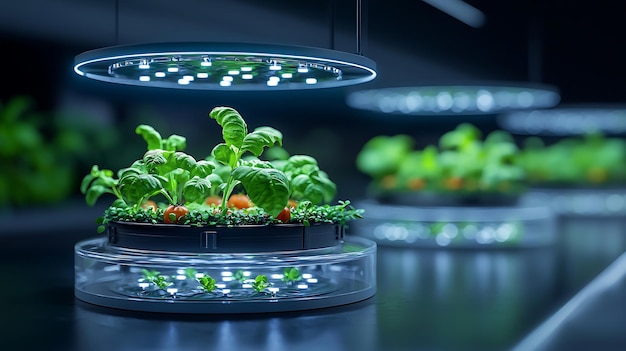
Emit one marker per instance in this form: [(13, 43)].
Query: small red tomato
[(149, 204), (284, 215), (213, 200), (239, 201), (173, 213)]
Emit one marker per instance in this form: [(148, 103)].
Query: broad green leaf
[(267, 188), (175, 143), (136, 187), (197, 189), (224, 154), (154, 158), (382, 155), (234, 128), (184, 161), (261, 138), (150, 135), (94, 193), (203, 168)]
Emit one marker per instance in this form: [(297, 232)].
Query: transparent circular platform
[(222, 283), (579, 202), (456, 227)]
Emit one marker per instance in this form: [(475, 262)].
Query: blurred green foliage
[(591, 159), (41, 153), (461, 163)]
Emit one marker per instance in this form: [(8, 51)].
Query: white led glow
[(144, 66), (144, 285), (272, 83), (189, 78), (246, 286), (310, 81), (225, 291), (225, 83), (312, 280), (247, 76), (302, 286), (206, 62), (159, 74), (307, 276), (274, 78), (275, 67), (273, 290), (199, 275), (181, 277), (172, 291), (172, 69), (246, 273), (233, 72), (303, 69), (227, 274), (277, 276), (287, 75), (227, 78), (202, 75), (246, 69), (183, 81), (220, 285)]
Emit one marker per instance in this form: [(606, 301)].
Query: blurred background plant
[(43, 155)]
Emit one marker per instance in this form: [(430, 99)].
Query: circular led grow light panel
[(570, 120), (225, 66), (454, 99)]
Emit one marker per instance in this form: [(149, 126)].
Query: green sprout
[(207, 283), (239, 276), (155, 278), (190, 273), (260, 283), (291, 274)]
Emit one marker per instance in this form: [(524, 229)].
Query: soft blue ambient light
[(168, 65), (490, 98)]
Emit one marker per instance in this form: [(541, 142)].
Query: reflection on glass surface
[(459, 298)]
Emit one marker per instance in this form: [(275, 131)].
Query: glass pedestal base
[(183, 282)]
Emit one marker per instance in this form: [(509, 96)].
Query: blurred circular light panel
[(566, 120), (489, 98)]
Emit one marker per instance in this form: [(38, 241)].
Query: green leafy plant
[(461, 163), (591, 160), (156, 278), (291, 274), (260, 283), (207, 283), (169, 186)]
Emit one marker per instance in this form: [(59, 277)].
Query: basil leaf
[(234, 128), (93, 194), (184, 161), (203, 168), (150, 135), (154, 158), (267, 188), (197, 189), (261, 138), (224, 154), (135, 187), (175, 143)]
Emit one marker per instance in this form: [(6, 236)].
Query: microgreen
[(207, 283), (155, 278), (260, 283), (291, 274)]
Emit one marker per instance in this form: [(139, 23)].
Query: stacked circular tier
[(469, 227), (209, 272)]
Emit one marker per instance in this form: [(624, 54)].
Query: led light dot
[(272, 83), (159, 74), (246, 69), (310, 81), (183, 81), (172, 291), (172, 69), (233, 72), (144, 78), (277, 276), (227, 78), (287, 75), (246, 76), (189, 78), (202, 75)]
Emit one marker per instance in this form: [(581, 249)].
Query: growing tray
[(223, 239)]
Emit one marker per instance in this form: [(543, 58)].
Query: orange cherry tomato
[(149, 204), (173, 213), (213, 200), (454, 183), (239, 201), (284, 215), (416, 183)]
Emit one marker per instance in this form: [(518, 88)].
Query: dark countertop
[(426, 299)]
